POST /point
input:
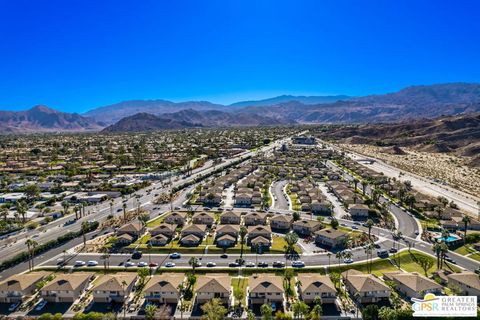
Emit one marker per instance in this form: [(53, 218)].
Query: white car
[(79, 263), (298, 264), (249, 264), (142, 264), (211, 264), (169, 264), (92, 263), (175, 255), (349, 260), (129, 264)]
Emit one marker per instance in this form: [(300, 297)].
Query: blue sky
[(78, 54)]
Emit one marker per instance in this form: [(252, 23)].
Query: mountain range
[(413, 102)]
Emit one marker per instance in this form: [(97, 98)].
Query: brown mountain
[(44, 119), (458, 134), (147, 122)]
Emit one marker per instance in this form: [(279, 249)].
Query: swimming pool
[(450, 238)]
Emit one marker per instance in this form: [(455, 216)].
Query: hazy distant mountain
[(113, 113), (146, 122), (288, 98), (187, 119), (44, 119)]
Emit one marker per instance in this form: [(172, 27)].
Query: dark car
[(224, 256), (137, 255), (233, 265), (263, 264), (393, 250), (278, 264)]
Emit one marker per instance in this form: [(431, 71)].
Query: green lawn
[(464, 250), (278, 244), (157, 221), (241, 284)]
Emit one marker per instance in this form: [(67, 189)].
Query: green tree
[(369, 223), (300, 309), (425, 264), (213, 310), (193, 262), (334, 223), (291, 239), (150, 311), (266, 311), (370, 312), (466, 222), (243, 233)]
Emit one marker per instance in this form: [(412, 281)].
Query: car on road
[(349, 260), (79, 263), (153, 265), (224, 256), (211, 264), (354, 227), (343, 224), (175, 255), (357, 223), (41, 305), (119, 209), (234, 264), (298, 264), (382, 253), (129, 264), (142, 264), (278, 264), (263, 264), (14, 306), (137, 255), (60, 261), (169, 264), (249, 264), (92, 263), (393, 250), (416, 232)]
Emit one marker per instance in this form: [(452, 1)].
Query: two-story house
[(164, 288), (66, 287), (265, 288), (369, 288), (306, 227), (312, 285), (114, 287), (213, 286), (413, 285), (20, 286)]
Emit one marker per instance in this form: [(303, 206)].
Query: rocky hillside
[(44, 119)]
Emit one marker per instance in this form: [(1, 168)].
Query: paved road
[(386, 241), (406, 223), (279, 202)]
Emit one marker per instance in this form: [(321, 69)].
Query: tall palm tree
[(369, 223), (436, 250), (443, 252), (124, 206), (84, 228), (339, 256), (466, 221), (65, 206), (106, 258), (22, 209), (329, 255), (193, 262), (243, 233), (31, 245), (368, 252)]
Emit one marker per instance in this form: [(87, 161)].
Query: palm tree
[(443, 252), (355, 183), (436, 250), (369, 223), (106, 258), (291, 239), (243, 233), (368, 252), (65, 206), (339, 256), (124, 206), (317, 310), (214, 310), (31, 245), (466, 221), (193, 262), (111, 207), (4, 212), (150, 311), (329, 255), (347, 254), (22, 209), (266, 311), (84, 228)]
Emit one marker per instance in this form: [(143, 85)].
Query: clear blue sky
[(78, 54)]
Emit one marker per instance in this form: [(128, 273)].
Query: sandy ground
[(445, 167)]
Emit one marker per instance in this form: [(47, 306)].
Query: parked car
[(169, 264), (349, 260), (263, 264), (142, 264), (224, 256), (211, 264), (382, 253), (298, 264), (249, 264), (40, 305), (234, 264), (393, 250), (14, 306), (129, 264), (278, 264), (153, 265)]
